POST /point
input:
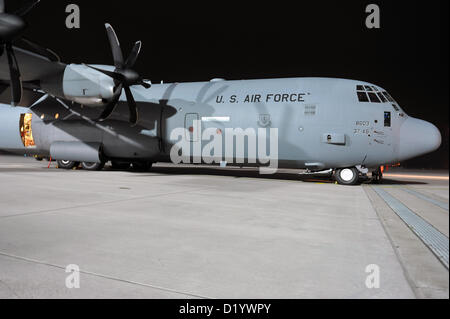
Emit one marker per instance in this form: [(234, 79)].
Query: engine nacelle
[(82, 85), (77, 151)]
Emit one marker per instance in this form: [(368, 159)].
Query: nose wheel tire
[(347, 176), (93, 166), (64, 164)]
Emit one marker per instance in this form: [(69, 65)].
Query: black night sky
[(197, 41)]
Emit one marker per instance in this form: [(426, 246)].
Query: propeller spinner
[(124, 76)]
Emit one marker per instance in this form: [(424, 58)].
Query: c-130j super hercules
[(90, 114)]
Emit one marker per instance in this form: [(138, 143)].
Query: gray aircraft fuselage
[(322, 122)]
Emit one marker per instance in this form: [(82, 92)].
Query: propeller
[(11, 27), (124, 76)]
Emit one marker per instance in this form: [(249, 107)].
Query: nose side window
[(387, 119)]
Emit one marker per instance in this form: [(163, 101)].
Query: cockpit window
[(368, 93), (373, 97), (362, 97), (388, 96), (382, 97)]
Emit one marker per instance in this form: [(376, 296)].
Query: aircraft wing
[(33, 67)]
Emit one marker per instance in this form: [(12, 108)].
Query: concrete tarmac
[(210, 232)]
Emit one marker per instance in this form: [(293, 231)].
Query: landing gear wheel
[(347, 176), (93, 166), (65, 164), (120, 165), (142, 166), (377, 176)]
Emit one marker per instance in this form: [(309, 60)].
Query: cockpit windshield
[(373, 94)]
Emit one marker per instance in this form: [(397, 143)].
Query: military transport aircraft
[(89, 114)]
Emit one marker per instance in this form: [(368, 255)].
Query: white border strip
[(215, 118)]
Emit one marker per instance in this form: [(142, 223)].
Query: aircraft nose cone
[(417, 138)]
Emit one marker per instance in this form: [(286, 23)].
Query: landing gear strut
[(377, 176)]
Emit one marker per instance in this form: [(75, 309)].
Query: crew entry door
[(381, 146)]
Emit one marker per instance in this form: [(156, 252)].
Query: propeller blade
[(111, 105), (16, 83), (49, 54), (115, 46), (116, 76), (131, 60), (144, 84), (26, 8), (131, 106)]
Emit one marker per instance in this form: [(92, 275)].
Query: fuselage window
[(362, 97), (368, 88), (395, 107), (382, 98), (387, 119), (373, 98), (359, 88), (375, 89)]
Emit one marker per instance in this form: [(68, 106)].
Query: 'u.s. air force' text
[(266, 98)]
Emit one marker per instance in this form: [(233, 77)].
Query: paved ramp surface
[(182, 232)]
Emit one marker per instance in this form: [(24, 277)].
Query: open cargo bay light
[(26, 132)]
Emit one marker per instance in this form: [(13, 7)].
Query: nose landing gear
[(377, 176), (347, 176)]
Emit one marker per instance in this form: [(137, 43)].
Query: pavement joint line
[(105, 276), (426, 198), (54, 210), (436, 241), (394, 246)]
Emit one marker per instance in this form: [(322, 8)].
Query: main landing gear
[(65, 164), (142, 166), (93, 166)]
